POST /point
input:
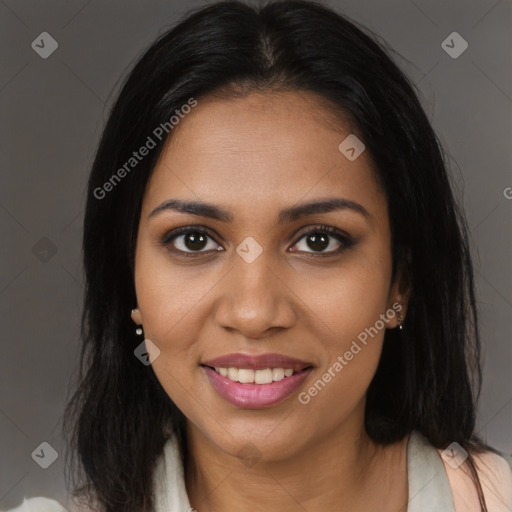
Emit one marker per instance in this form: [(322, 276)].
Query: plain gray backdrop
[(53, 110)]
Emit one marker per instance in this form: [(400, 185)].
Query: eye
[(192, 241), (189, 240), (320, 238)]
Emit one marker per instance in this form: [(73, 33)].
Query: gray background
[(52, 113)]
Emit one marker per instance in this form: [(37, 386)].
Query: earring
[(400, 320), (138, 330)]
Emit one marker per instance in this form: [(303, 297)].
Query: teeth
[(263, 376), (233, 374), (248, 376), (277, 374)]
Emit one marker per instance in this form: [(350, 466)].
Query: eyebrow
[(287, 215)]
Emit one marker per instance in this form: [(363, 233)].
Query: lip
[(257, 362), (255, 396)]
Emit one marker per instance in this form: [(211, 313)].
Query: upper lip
[(257, 362)]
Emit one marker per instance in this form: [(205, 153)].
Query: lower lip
[(254, 396)]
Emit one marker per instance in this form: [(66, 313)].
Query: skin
[(254, 156)]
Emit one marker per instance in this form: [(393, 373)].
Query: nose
[(255, 300)]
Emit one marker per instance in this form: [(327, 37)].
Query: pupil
[(195, 238), (319, 241)]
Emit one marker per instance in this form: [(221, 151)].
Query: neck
[(344, 470)]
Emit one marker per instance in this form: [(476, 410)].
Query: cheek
[(341, 387), (346, 301), (351, 352), (169, 296), (347, 312)]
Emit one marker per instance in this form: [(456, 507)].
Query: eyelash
[(345, 240)]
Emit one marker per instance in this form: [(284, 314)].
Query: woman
[(280, 310)]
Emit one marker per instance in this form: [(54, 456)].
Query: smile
[(253, 382)]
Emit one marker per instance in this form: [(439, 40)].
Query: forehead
[(261, 150)]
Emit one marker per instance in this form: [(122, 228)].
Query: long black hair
[(429, 375)]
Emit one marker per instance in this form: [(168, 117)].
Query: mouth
[(255, 376), (256, 381)]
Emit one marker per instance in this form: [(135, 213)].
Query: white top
[(435, 483)]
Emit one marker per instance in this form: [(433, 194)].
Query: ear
[(399, 296), (136, 316)]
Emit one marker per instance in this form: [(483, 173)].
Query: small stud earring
[(400, 320), (138, 330)]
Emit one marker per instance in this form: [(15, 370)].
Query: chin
[(267, 442)]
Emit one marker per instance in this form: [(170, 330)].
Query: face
[(258, 288)]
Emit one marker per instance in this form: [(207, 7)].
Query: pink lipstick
[(251, 382)]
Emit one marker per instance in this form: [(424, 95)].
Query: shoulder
[(41, 504), (495, 474)]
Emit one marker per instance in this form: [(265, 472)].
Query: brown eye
[(189, 240), (320, 241)]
